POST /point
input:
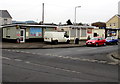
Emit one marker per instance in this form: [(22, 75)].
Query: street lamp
[(75, 14)]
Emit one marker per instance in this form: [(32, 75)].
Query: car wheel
[(104, 44), (116, 43), (96, 44), (87, 45), (68, 41), (55, 42)]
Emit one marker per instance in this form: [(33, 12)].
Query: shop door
[(22, 35)]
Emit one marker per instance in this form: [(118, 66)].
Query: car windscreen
[(108, 38), (94, 39)]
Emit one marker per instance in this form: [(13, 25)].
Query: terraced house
[(113, 26)]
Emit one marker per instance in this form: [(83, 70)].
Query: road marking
[(60, 56), (22, 51), (27, 62), (6, 58), (94, 60), (109, 46), (34, 53), (27, 52), (101, 61), (57, 68), (87, 49), (17, 60), (113, 63)]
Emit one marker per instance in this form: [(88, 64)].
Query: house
[(113, 26), (5, 17), (24, 32)]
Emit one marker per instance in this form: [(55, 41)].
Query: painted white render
[(5, 17), (4, 21)]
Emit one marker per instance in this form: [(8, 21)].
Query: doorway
[(95, 35), (22, 35)]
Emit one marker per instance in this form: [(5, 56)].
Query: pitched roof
[(5, 14), (113, 17), (118, 16)]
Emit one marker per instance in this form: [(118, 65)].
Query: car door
[(101, 41)]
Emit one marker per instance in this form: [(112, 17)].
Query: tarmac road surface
[(81, 64)]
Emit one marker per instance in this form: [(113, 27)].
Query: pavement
[(39, 45)]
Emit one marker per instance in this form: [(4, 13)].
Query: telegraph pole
[(42, 12), (75, 14)]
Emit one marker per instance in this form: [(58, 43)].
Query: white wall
[(100, 32), (2, 21)]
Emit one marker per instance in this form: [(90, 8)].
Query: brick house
[(113, 26)]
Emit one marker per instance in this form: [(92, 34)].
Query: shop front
[(112, 32)]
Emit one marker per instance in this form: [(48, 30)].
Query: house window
[(114, 24), (110, 24), (5, 21)]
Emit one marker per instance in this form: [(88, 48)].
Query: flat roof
[(112, 28), (73, 26), (26, 25)]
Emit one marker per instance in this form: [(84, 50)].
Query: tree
[(69, 22), (99, 24), (80, 24)]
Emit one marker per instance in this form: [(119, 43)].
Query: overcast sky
[(61, 10)]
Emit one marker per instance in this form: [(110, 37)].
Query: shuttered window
[(83, 33), (73, 32)]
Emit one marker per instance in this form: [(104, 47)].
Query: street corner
[(114, 56)]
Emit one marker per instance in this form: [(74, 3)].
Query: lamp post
[(75, 14)]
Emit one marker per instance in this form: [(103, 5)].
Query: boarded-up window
[(83, 33), (8, 32), (73, 32), (78, 32)]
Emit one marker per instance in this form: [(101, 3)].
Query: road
[(80, 64)]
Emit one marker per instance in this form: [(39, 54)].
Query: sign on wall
[(89, 31), (35, 31), (111, 33)]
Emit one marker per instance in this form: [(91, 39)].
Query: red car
[(96, 41)]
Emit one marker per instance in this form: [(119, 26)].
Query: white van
[(55, 37)]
